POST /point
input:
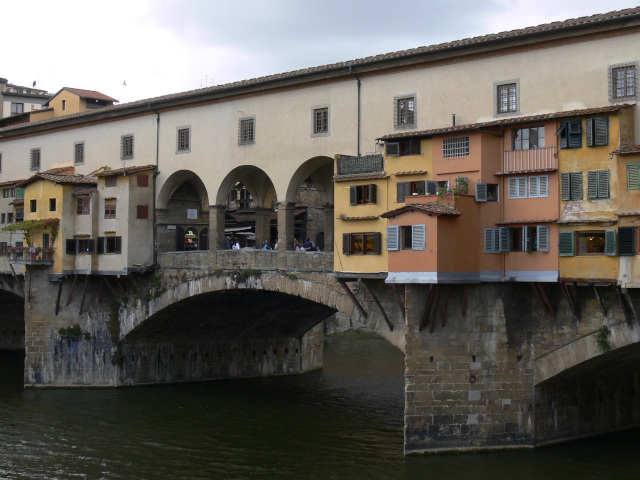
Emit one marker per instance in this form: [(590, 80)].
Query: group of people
[(308, 246)]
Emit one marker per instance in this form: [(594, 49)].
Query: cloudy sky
[(160, 47)]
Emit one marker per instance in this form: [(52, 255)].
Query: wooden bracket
[(375, 299), (570, 299), (17, 280), (628, 309), (394, 290), (84, 293), (352, 297), (600, 302), (73, 286), (543, 298), (431, 309), (58, 297)]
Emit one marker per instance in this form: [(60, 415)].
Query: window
[(633, 176), (142, 211), (111, 181), (2, 217), (247, 131), (516, 239), (406, 189), (17, 108), (64, 104), (80, 246), (13, 192), (35, 159), (570, 132), (33, 206), (143, 180), (627, 241), (46, 240), (601, 242), (126, 147), (528, 138), (406, 237), (52, 204), (109, 245), (361, 243), (404, 112), (622, 82), (82, 205), (486, 192), (320, 121), (78, 155), (571, 188), (19, 215), (183, 141), (506, 97), (517, 187), (455, 147), (597, 131), (6, 192), (110, 209), (361, 194), (539, 186), (598, 184), (403, 147)]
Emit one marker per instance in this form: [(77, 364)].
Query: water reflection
[(342, 422)]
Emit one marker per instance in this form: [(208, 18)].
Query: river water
[(343, 422)]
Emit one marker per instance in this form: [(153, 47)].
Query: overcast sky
[(160, 47)]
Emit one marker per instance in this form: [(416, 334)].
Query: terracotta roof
[(411, 172), (124, 171), (11, 182), (84, 191), (364, 176), (628, 149), (428, 208), (369, 217), (513, 222), (89, 94), (58, 170), (61, 179), (508, 121), (17, 201), (496, 40)]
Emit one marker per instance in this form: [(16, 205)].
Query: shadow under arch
[(254, 179), (175, 181)]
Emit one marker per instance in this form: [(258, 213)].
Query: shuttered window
[(626, 241), (610, 242), (597, 131), (505, 239), (566, 244), (517, 187), (393, 234), (542, 238), (491, 240), (422, 187), (362, 194), (570, 133), (367, 243), (126, 147), (598, 184), (418, 237), (539, 186), (633, 176), (481, 192), (571, 188)]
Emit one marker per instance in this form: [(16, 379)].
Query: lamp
[(308, 182)]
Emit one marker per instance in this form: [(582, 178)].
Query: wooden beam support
[(73, 287), (627, 306), (84, 293), (375, 299), (600, 302), (353, 298), (465, 299), (58, 297), (18, 282), (434, 311), (444, 305), (427, 308), (106, 281), (534, 285), (396, 295), (571, 300), (544, 298)]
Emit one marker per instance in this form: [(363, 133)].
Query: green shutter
[(353, 195), (590, 132), (633, 176), (481, 192), (592, 185), (603, 184), (346, 243), (490, 235), (566, 244), (576, 185), (505, 239), (610, 242), (403, 191), (626, 241), (565, 188), (601, 127), (372, 193)]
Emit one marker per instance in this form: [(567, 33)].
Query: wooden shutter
[(574, 134), (431, 187), (415, 146), (100, 245), (522, 187), (576, 185), (377, 241), (71, 247), (603, 184), (505, 239), (513, 187), (626, 241), (610, 242), (534, 187), (118, 245), (393, 237), (566, 244), (590, 132), (481, 192), (346, 243), (542, 238), (353, 195), (597, 131), (633, 176), (372, 193), (491, 240), (592, 185), (418, 237), (527, 239), (565, 188), (143, 211), (143, 180), (562, 132), (403, 191), (543, 186)]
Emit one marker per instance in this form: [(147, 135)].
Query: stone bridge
[(487, 365)]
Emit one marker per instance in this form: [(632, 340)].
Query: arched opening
[(12, 327), (182, 213)]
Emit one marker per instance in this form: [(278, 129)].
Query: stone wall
[(11, 322)]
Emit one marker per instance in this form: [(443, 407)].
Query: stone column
[(216, 227), (328, 228), (285, 226), (263, 226), (165, 240)]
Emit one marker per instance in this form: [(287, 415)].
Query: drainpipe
[(155, 175), (359, 109)]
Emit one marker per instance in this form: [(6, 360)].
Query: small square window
[(78, 157), (183, 140), (110, 209), (506, 95), (321, 121), (126, 147), (33, 206), (82, 204), (35, 159), (111, 181), (405, 112), (246, 131), (52, 204)]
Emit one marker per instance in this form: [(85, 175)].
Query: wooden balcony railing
[(530, 160)]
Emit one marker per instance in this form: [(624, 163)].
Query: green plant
[(249, 272), (291, 276), (28, 226), (217, 272), (72, 333), (602, 339), (461, 188)]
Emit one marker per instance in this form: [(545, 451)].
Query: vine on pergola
[(30, 225)]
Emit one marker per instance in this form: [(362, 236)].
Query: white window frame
[(455, 147)]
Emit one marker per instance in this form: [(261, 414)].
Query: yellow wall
[(42, 191), (75, 104)]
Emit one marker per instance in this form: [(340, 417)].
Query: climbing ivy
[(602, 339)]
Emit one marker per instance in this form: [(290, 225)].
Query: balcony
[(535, 160), (368, 164)]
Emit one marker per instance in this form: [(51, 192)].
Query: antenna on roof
[(124, 83), (207, 82)]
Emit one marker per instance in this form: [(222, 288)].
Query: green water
[(344, 422)]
